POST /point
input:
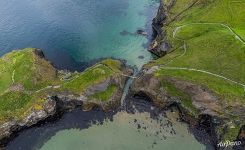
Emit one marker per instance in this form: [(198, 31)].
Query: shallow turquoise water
[(127, 132), (78, 30)]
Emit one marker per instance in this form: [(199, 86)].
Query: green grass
[(104, 95), (115, 65), (13, 100), (231, 134), (21, 73), (12, 104), (89, 77), (185, 98), (24, 77), (93, 75), (228, 92), (29, 70)]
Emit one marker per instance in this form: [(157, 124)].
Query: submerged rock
[(141, 32), (141, 57)]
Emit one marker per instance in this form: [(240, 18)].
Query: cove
[(76, 33), (139, 126)]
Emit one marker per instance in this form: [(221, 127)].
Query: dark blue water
[(74, 33)]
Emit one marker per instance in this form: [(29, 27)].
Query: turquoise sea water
[(71, 31)]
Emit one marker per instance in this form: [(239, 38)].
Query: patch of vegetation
[(231, 134), (229, 92), (115, 65), (93, 75), (87, 78), (185, 98), (104, 95)]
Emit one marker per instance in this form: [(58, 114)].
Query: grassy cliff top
[(208, 47), (26, 79)]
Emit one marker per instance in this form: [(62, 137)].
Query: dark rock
[(150, 87), (124, 32), (159, 49), (159, 46), (141, 32), (39, 53), (141, 57)]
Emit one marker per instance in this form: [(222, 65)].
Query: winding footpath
[(163, 66), (206, 72), (13, 74)]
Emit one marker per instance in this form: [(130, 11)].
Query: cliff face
[(53, 91), (160, 46)]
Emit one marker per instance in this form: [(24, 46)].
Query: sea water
[(77, 32)]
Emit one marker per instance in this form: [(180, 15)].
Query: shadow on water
[(37, 136)]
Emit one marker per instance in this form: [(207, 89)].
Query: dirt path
[(163, 66), (13, 74), (209, 23), (133, 77), (206, 72)]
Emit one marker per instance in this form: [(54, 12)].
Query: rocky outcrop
[(201, 98), (150, 87), (141, 32), (39, 53), (241, 137), (160, 46), (8, 128), (114, 100)]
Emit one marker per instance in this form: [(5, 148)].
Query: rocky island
[(200, 70)]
